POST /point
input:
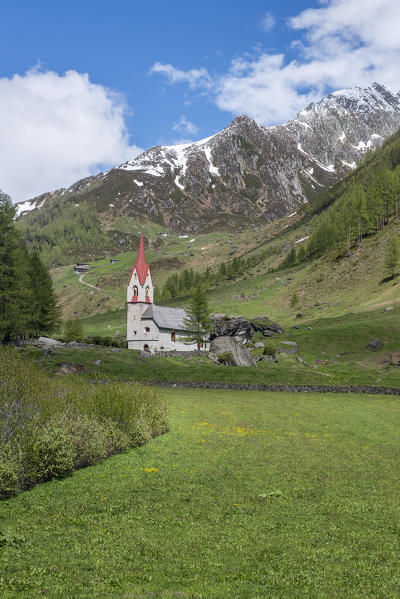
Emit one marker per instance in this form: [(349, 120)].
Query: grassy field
[(334, 349), (250, 495)]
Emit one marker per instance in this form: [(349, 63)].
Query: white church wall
[(179, 344), (159, 339)]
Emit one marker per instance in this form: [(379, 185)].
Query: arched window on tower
[(148, 291), (135, 291)]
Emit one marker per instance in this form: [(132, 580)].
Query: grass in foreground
[(250, 495)]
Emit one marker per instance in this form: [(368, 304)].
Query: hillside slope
[(331, 281)]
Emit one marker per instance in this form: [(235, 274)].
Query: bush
[(92, 440), (49, 427), (224, 357), (10, 470), (48, 454), (133, 409), (73, 330), (87, 435), (270, 351), (106, 341)]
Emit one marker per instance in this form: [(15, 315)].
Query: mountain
[(243, 174)]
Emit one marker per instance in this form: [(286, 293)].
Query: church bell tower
[(140, 293), (140, 287)]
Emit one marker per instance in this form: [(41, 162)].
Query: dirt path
[(88, 284)]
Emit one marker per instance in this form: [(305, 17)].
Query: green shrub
[(49, 427), (129, 406), (224, 357), (106, 341), (270, 351), (10, 470), (139, 432), (73, 330), (115, 440), (87, 436), (48, 454)]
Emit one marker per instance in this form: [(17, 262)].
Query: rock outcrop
[(230, 351), (243, 329)]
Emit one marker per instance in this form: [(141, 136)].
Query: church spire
[(140, 286), (141, 265)]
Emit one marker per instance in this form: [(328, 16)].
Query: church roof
[(166, 318), (142, 268)]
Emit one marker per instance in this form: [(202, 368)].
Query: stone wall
[(362, 389)]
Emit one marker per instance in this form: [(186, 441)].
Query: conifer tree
[(45, 312), (198, 319), (27, 300), (301, 254), (10, 317), (294, 300), (392, 256)]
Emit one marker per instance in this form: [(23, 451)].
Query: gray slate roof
[(166, 318)]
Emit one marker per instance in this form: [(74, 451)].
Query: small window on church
[(134, 332), (147, 329), (148, 291), (135, 292), (173, 336)]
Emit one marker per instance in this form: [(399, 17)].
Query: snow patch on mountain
[(176, 181), (213, 169), (26, 206)]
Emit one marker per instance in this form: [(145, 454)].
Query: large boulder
[(45, 342), (231, 351), (243, 329)]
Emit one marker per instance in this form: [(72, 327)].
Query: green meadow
[(250, 495), (333, 350)]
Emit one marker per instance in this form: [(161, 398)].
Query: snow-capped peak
[(161, 159)]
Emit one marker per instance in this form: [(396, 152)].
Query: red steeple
[(141, 265)]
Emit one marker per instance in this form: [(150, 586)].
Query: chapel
[(150, 326)]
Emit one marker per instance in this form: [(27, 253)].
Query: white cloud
[(268, 21), (340, 44), (185, 126), (194, 77), (56, 129)]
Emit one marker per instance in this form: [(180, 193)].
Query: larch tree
[(392, 256), (45, 311), (198, 320)]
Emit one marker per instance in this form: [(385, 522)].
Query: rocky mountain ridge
[(245, 173)]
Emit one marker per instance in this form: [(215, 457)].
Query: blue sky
[(166, 72), (117, 44)]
